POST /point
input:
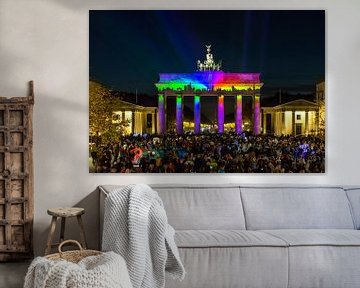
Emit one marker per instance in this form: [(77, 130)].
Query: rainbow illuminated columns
[(179, 114), (161, 114), (238, 114), (221, 114), (256, 114), (197, 114)]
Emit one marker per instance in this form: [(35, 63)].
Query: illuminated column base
[(257, 114), (153, 123), (197, 114), (307, 123), (264, 123), (221, 114), (132, 121), (238, 114), (161, 114), (179, 114)]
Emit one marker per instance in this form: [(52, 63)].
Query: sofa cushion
[(204, 208), (322, 258), (324, 266), (296, 208), (220, 267), (315, 237), (226, 238)]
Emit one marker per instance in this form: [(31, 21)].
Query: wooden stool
[(64, 213)]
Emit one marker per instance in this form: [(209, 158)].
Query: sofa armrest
[(103, 195)]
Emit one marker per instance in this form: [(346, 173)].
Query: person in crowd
[(212, 153)]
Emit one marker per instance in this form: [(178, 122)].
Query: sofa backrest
[(202, 208), (296, 208), (234, 207), (354, 198)]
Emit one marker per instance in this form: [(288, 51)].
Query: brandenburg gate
[(207, 81)]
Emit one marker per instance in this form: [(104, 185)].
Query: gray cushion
[(192, 208), (225, 238), (322, 258), (354, 198), (250, 267), (317, 237), (324, 267), (296, 208)]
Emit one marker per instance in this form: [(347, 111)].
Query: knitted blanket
[(103, 271), (136, 227)]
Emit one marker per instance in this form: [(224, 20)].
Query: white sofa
[(242, 236)]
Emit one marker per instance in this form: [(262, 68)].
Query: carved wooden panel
[(16, 177)]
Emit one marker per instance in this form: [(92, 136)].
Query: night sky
[(128, 49)]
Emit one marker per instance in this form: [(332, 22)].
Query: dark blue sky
[(128, 49)]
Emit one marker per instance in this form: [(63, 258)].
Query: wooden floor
[(12, 274)]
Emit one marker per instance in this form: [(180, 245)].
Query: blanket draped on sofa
[(136, 227)]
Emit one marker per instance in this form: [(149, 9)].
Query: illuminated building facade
[(137, 119), (208, 81), (298, 117)]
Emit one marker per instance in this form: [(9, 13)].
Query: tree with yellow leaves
[(102, 127)]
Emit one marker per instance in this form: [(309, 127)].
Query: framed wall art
[(207, 91)]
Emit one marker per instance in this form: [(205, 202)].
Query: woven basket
[(72, 256)]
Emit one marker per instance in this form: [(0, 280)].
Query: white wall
[(47, 41)]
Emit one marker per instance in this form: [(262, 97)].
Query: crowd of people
[(212, 153)]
